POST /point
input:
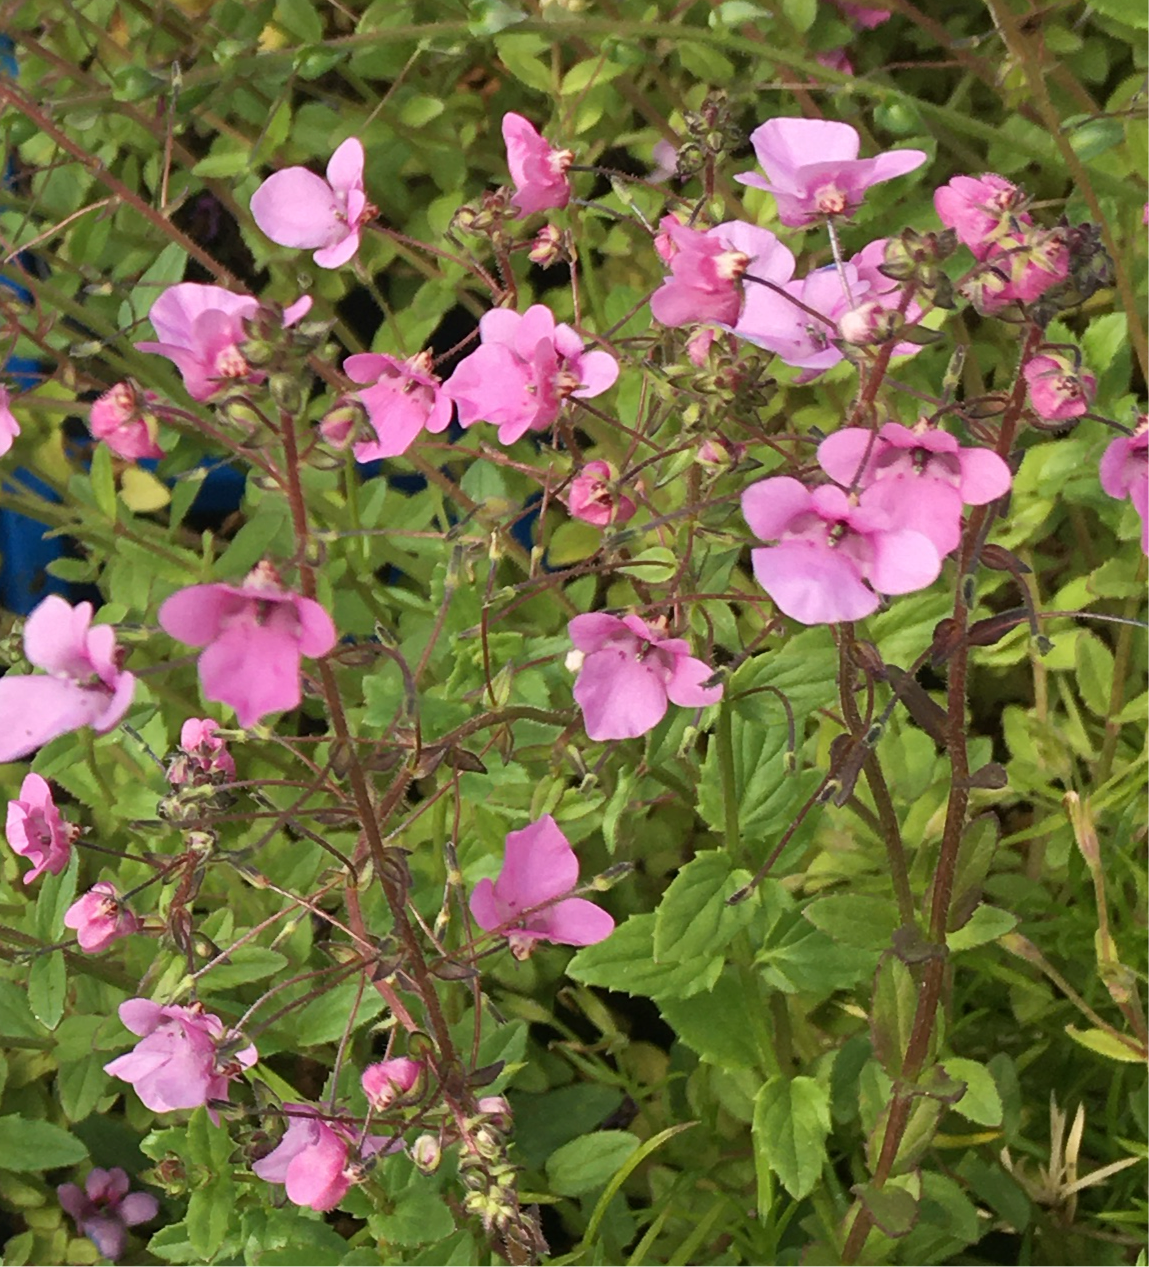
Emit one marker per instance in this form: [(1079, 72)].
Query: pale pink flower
[(201, 330), (790, 329), (254, 634), (665, 156), (295, 207), (833, 559), (629, 674), (836, 59), (707, 269), (314, 1160), (184, 1058), (203, 756), (36, 829), (813, 169), (981, 210), (82, 684), (1058, 390), (386, 1080), (100, 918), (104, 1209), (9, 427), (882, 290), (403, 398), (918, 477), (1125, 473), (528, 902), (122, 419), (538, 170), (594, 498), (524, 370)]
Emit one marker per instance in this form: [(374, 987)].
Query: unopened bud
[(286, 392), (343, 423), (426, 1153), (870, 324), (547, 248), (496, 1108)]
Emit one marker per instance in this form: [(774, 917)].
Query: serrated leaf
[(248, 963), (693, 919), (713, 1023), (791, 1123), (855, 919), (16, 1019), (209, 1213), (48, 988), (980, 1103), (418, 1214), (987, 923), (625, 961), (34, 1145), (1105, 1044), (892, 1014), (142, 492)]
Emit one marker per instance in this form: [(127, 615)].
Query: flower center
[(230, 363), (830, 201), (730, 265)]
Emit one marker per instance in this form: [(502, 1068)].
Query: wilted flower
[(104, 1209), (82, 684), (294, 207), (203, 756), (538, 170), (403, 398), (184, 1057), (255, 635), (527, 903), (100, 918), (1058, 389), (36, 829), (629, 674), (593, 496), (122, 419)]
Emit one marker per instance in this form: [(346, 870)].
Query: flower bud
[(426, 1153), (286, 392), (547, 248), (340, 425), (870, 324)]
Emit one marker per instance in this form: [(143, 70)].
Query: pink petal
[(174, 313), (619, 697), (296, 208), (927, 506), (316, 629), (771, 505), (784, 145), (539, 865), (578, 922), (56, 637), (141, 1016), (500, 325), (336, 255), (297, 311), (598, 371), (984, 476), (903, 561), (193, 615), (345, 167), (536, 326), (252, 668), (843, 454), (38, 709), (315, 1176), (591, 631), (483, 906), (813, 584), (138, 1207), (685, 683), (895, 163)]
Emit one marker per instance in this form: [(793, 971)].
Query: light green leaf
[(980, 1103), (693, 919), (791, 1122), (27, 1146), (586, 1163)]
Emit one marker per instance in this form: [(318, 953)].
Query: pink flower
[(526, 904), (255, 634), (813, 169), (836, 59), (313, 1160), (1125, 473), (201, 330), (789, 329), (104, 1209), (1057, 390), (537, 169), (9, 427), (387, 1079), (1019, 269), (707, 269), (882, 290), (204, 757), (592, 497), (100, 918), (294, 207), (919, 477), (862, 16), (981, 210), (665, 156), (37, 830), (402, 399), (121, 419), (524, 369), (184, 1057), (830, 552), (629, 673), (82, 683)]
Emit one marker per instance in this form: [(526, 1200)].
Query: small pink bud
[(547, 248), (387, 1080)]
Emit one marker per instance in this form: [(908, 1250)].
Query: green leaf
[(167, 269), (892, 1017), (693, 919), (628, 1167), (854, 919), (27, 1146), (324, 1019), (1094, 673), (248, 963), (48, 987), (987, 923), (80, 1085), (209, 1214), (1131, 12), (519, 54), (791, 1122), (489, 17), (253, 540), (1104, 1044), (587, 1163), (301, 19), (16, 1019), (980, 1103), (418, 111), (56, 895), (625, 961), (893, 1208), (103, 481), (419, 1215), (713, 1024)]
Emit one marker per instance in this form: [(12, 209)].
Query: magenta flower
[(313, 1160), (403, 398), (707, 268), (628, 673), (36, 829), (538, 170), (385, 1080), (104, 1209), (200, 329), (203, 756), (255, 634), (100, 918), (9, 427), (82, 683), (527, 903), (981, 210), (121, 419), (524, 370), (813, 169), (862, 16), (184, 1058), (1125, 473), (294, 207), (594, 498), (785, 324), (918, 477), (1058, 391), (830, 552), (1019, 269)]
